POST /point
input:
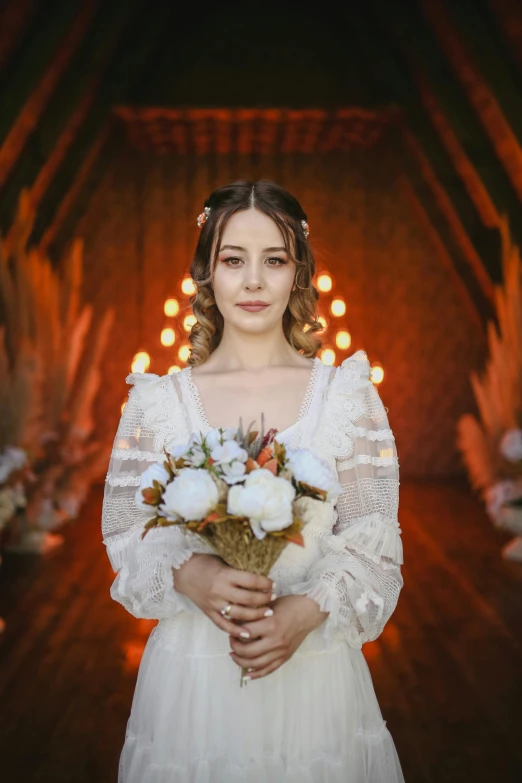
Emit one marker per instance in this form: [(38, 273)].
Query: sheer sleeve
[(144, 583), (357, 580)]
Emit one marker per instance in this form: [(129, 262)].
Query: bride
[(309, 713)]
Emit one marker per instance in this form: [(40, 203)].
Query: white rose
[(265, 499), (230, 451), (232, 472), (180, 450), (511, 445), (157, 472), (192, 495), (315, 471)]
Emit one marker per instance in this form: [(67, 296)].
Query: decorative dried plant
[(51, 347), (498, 394)]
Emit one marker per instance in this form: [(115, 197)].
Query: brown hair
[(299, 319)]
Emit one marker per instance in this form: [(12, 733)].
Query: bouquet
[(242, 492)]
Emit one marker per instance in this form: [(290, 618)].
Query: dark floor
[(447, 669)]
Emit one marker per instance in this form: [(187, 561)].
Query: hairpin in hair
[(202, 217)]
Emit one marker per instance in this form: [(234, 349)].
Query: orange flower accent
[(250, 465), (264, 455), (271, 465)]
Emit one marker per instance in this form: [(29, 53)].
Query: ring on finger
[(226, 612)]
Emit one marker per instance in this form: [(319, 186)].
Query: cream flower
[(314, 471), (192, 495), (265, 499), (157, 472)]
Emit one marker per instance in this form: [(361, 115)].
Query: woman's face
[(252, 264)]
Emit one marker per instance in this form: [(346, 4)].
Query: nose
[(253, 278)]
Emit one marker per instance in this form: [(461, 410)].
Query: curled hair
[(299, 319)]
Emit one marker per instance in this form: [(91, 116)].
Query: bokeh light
[(343, 339), (187, 286), (168, 336), (184, 352), (327, 356), (376, 373), (171, 307), (338, 306), (324, 283), (189, 321), (141, 362)]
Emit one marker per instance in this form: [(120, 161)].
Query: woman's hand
[(276, 638), (211, 584)]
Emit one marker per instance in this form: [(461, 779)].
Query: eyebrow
[(244, 250)]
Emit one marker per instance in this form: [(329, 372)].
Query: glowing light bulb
[(188, 322), (343, 339), (328, 356), (322, 320), (173, 368), (141, 362), (187, 286), (338, 307), (324, 283), (168, 336), (171, 307), (376, 373), (184, 352)]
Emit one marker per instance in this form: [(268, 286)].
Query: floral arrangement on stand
[(244, 493), (51, 348), (492, 447)]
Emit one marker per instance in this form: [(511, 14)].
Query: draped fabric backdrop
[(403, 306)]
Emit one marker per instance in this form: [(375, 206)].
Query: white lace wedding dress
[(316, 719)]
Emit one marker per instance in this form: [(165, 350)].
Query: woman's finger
[(249, 598), (258, 673), (257, 662), (248, 614), (230, 627)]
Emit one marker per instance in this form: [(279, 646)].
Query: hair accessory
[(202, 217)]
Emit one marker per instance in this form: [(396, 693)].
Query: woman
[(309, 713)]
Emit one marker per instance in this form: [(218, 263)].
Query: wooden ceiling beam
[(471, 179), (479, 244), (27, 92), (503, 123), (65, 112), (132, 52), (418, 46)]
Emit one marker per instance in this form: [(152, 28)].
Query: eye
[(233, 258), (281, 260)]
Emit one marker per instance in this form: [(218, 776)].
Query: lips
[(253, 308)]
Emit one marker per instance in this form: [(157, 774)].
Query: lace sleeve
[(358, 578), (144, 584)]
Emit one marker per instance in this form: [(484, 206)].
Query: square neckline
[(306, 402)]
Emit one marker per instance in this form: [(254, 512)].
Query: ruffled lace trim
[(342, 404), (339, 621), (372, 535), (163, 412)]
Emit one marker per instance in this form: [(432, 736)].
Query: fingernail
[(269, 612), (274, 596), (246, 677), (245, 635)]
